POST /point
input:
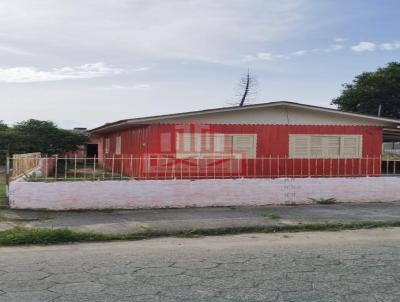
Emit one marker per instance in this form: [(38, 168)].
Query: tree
[(3, 126), (3, 146), (371, 92), (246, 89), (40, 136)]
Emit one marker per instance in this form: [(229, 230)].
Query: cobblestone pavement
[(347, 266)]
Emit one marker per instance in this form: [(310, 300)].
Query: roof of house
[(121, 124)]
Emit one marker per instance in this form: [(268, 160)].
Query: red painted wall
[(272, 141)]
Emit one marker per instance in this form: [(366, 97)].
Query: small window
[(206, 142), (325, 146), (118, 145), (333, 146), (186, 142), (219, 143), (207, 145), (107, 146), (244, 145)]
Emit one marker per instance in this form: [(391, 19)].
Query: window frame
[(118, 145), (253, 154), (212, 145), (324, 154), (107, 144)]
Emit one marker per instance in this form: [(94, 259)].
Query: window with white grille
[(325, 146), (219, 143), (107, 146), (203, 145), (244, 145), (118, 145)]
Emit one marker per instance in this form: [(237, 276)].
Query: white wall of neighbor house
[(200, 193)]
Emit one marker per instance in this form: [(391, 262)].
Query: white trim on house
[(288, 113)]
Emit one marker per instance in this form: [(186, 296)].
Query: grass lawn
[(22, 235)]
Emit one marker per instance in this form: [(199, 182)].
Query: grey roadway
[(332, 266)]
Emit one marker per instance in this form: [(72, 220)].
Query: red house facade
[(281, 139)]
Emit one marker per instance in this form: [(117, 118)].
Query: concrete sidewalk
[(202, 218)]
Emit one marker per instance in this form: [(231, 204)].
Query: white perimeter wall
[(200, 193)]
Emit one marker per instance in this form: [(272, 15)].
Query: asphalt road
[(346, 266)]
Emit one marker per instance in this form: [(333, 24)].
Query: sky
[(82, 63)]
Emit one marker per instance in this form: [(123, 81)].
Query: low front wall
[(200, 193)]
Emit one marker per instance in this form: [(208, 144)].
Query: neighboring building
[(88, 150), (261, 140)]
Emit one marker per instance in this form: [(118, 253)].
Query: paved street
[(347, 266)]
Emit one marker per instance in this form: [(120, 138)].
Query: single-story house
[(274, 139)]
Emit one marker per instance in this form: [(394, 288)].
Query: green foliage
[(39, 136), (271, 216), (371, 89), (3, 126), (3, 197), (22, 235)]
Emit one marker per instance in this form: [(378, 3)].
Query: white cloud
[(207, 30), (119, 87), (32, 74), (390, 46), (145, 68), (266, 56), (334, 47), (339, 40), (364, 46), (248, 58), (300, 53), (14, 50)]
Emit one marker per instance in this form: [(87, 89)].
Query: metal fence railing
[(157, 167), (391, 154)]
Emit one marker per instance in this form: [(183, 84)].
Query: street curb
[(44, 236)]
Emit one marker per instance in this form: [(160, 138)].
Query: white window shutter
[(351, 146), (219, 142), (205, 142), (299, 146), (197, 142), (118, 145), (107, 146), (316, 146), (244, 145), (187, 142), (325, 146), (332, 147)]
